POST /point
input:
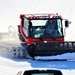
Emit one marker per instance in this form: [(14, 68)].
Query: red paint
[(30, 40)]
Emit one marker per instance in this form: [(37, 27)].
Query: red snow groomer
[(43, 34)]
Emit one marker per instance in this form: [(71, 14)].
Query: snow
[(9, 15), (10, 67), (13, 66), (68, 56)]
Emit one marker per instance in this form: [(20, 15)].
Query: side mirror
[(66, 23)]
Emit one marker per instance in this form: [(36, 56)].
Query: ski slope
[(11, 67), (9, 15)]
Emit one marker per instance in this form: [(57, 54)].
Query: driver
[(52, 28)]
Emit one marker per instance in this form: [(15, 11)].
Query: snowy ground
[(10, 66), (9, 15)]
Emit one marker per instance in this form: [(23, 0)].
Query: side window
[(25, 27), (59, 26), (26, 23)]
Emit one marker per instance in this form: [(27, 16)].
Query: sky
[(10, 11)]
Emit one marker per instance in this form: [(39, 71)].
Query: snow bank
[(69, 56)]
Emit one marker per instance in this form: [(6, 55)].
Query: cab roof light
[(22, 15), (39, 16), (56, 14)]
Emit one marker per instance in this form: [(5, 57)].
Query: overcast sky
[(11, 9)]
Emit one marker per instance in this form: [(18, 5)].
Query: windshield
[(42, 74), (46, 28), (38, 22)]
